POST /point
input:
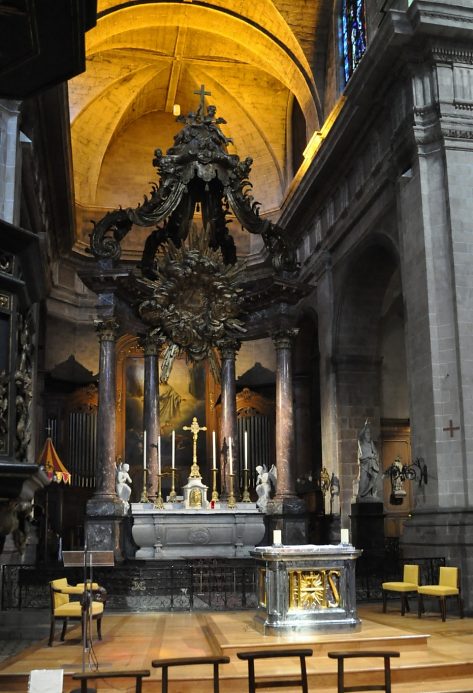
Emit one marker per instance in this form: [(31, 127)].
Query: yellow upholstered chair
[(63, 608), (449, 586), (409, 584)]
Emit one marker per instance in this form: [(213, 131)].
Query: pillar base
[(104, 525), (288, 515)]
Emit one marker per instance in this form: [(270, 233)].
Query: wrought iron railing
[(206, 584)]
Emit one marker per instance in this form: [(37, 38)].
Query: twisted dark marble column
[(106, 423), (228, 422), (283, 341), (151, 423)]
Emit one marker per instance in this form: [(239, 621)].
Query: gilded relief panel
[(314, 589)]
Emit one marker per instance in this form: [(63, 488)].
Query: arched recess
[(370, 366), (308, 447)]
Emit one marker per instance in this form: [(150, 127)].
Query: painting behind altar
[(182, 398)]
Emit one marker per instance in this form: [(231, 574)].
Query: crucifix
[(202, 93), (195, 430), (451, 428)]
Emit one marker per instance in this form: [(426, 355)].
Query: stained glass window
[(353, 35)]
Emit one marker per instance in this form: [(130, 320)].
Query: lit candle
[(277, 536), (230, 459), (246, 450), (144, 450), (159, 454), (173, 449), (214, 450)]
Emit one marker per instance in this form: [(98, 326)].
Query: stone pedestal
[(367, 527), (289, 516), (103, 525), (306, 588)]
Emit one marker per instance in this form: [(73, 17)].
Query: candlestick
[(144, 450), (231, 495), (144, 495), (246, 494), (159, 454), (173, 449), (214, 450), (246, 450), (158, 503)]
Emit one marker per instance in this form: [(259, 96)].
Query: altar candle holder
[(144, 494), (173, 494), (158, 503), (246, 494), (231, 496), (214, 484)]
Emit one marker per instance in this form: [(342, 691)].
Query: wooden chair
[(165, 664), (275, 683), (64, 609), (409, 584), (94, 675), (449, 585), (341, 656)]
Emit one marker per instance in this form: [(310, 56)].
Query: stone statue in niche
[(265, 482), (368, 466), (123, 479)]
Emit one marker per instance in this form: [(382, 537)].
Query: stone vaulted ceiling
[(255, 57)]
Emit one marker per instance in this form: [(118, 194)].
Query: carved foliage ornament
[(193, 301)]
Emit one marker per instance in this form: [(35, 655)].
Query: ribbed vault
[(142, 58)]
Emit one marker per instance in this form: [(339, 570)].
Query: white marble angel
[(265, 483), (123, 489)]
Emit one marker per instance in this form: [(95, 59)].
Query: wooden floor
[(435, 657)]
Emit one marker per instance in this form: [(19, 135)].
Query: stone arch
[(358, 351)]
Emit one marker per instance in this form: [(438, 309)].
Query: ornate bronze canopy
[(197, 169), (186, 288)]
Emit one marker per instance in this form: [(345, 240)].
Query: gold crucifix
[(195, 429), (202, 93)]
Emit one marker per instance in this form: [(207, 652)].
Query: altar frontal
[(191, 526)]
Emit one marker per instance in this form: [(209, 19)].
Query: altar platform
[(435, 657)]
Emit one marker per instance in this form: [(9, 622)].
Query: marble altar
[(306, 588), (177, 532)]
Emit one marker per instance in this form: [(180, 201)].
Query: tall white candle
[(173, 449), (214, 450), (159, 454), (277, 536), (144, 450), (246, 450), (230, 458)]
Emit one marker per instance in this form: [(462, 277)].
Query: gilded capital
[(229, 347), (283, 339), (107, 329), (151, 343)]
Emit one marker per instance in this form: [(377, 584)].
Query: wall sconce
[(398, 473)]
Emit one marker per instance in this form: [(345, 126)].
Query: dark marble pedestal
[(367, 527), (290, 517), (103, 526), (306, 588)]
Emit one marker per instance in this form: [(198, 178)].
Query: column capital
[(229, 347), (152, 343), (107, 329), (283, 339)]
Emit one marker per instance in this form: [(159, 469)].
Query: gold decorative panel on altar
[(314, 589)]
